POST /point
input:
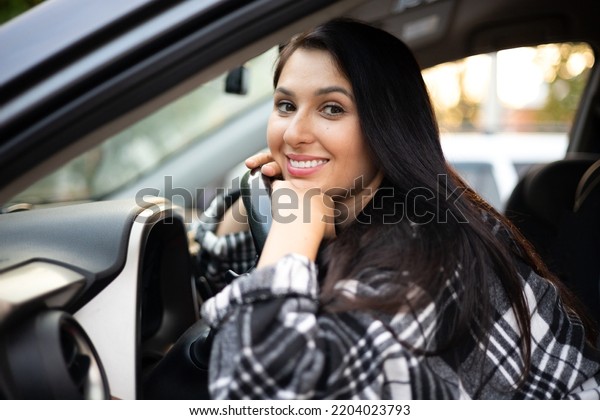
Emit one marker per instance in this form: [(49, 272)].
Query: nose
[(299, 131)]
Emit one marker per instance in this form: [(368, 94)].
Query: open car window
[(502, 112), (140, 148)]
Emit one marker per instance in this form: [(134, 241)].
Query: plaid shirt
[(273, 341)]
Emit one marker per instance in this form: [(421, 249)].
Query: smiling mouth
[(307, 163)]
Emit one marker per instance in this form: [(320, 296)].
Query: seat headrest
[(589, 181), (549, 189)]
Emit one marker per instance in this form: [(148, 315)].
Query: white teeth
[(306, 163)]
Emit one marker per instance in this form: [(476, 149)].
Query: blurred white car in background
[(494, 174)]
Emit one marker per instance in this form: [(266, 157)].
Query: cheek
[(274, 134), (275, 131), (358, 153)]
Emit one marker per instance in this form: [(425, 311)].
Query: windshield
[(138, 149)]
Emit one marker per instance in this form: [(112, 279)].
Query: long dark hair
[(446, 234)]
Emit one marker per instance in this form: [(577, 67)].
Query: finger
[(258, 159), (271, 169)]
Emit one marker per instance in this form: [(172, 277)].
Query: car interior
[(119, 124)]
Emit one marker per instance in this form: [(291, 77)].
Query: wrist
[(291, 238)]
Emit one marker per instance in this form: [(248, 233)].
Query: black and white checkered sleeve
[(261, 318), (563, 365), (274, 342), (219, 254)]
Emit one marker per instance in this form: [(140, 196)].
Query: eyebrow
[(319, 92), (331, 89), (284, 91)]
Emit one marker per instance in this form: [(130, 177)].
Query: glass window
[(141, 147), (528, 89), (518, 103)]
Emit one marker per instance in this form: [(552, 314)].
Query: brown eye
[(333, 110), (285, 107)]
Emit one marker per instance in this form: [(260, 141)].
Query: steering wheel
[(256, 196)]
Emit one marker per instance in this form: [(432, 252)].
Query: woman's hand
[(266, 163), (302, 218)]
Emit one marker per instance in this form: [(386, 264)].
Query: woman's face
[(314, 131)]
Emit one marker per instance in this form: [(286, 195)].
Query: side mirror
[(237, 81)]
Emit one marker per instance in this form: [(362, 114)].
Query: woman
[(388, 277)]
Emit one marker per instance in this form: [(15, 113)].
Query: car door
[(92, 294)]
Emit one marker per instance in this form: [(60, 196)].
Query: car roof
[(52, 28), (467, 26)]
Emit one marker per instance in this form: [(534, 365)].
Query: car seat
[(557, 208)]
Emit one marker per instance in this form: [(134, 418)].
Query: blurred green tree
[(564, 69), (11, 8)]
